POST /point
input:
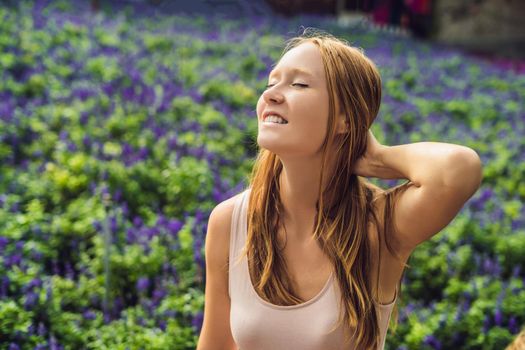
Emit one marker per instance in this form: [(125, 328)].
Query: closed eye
[(300, 84), (294, 84)]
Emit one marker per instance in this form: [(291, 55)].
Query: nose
[(272, 95)]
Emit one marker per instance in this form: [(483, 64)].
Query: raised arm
[(443, 177)]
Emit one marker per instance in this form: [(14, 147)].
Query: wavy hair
[(343, 210)]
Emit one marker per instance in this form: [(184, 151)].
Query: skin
[(298, 143)]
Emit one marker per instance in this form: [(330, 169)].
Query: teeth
[(275, 119)]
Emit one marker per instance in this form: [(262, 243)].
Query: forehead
[(304, 58)]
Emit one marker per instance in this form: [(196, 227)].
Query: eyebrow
[(295, 70)]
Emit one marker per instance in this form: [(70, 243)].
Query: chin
[(270, 146)]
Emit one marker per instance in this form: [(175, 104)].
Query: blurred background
[(124, 123), (489, 28)]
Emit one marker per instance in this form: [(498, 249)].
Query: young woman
[(311, 254)]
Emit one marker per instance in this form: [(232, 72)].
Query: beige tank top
[(259, 325)]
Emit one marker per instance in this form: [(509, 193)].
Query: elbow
[(465, 171)]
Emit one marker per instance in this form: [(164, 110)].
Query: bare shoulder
[(216, 332), (219, 228), (222, 213)]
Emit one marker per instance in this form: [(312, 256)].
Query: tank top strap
[(237, 237)]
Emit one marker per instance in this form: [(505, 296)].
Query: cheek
[(315, 112), (315, 109)]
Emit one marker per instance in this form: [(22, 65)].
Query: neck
[(299, 193)]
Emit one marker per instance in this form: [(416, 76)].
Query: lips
[(265, 114)]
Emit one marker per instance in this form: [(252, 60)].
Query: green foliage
[(103, 69), (119, 135), (13, 318), (236, 94)]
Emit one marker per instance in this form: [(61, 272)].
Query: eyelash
[(303, 85)]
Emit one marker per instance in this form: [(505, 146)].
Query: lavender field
[(120, 133)]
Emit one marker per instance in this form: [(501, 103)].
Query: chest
[(309, 268)]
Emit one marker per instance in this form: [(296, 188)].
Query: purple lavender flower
[(97, 225), (487, 266), (432, 341), (516, 271), (516, 224), (35, 282), (53, 343), (172, 143), (170, 313), (158, 295), (13, 260), (118, 305), (130, 235), (127, 150), (149, 232), (89, 315), (479, 203), (87, 143), (465, 306), (137, 222), (19, 245), (113, 224), (31, 299), (196, 321), (3, 242), (31, 330), (63, 135), (143, 153), (174, 226), (125, 209), (42, 330), (497, 269), (117, 196), (143, 284), (498, 317), (197, 251), (71, 147)]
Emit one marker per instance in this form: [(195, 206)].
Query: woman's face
[(297, 91)]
